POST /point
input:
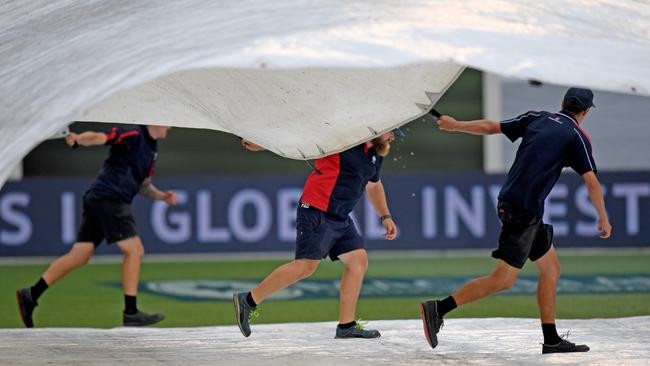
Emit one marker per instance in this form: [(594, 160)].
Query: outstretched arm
[(478, 127), (86, 139), (596, 196), (377, 198), (148, 190)]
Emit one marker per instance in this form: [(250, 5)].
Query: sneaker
[(357, 331), (432, 321), (26, 306), (563, 347), (243, 312), (140, 319)]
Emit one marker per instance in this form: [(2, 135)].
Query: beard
[(381, 147)]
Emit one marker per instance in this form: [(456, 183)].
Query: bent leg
[(77, 257), (503, 278), (283, 277)]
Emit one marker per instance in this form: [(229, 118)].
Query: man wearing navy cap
[(127, 171), (550, 142), (324, 228)]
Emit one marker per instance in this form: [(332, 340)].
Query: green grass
[(80, 300)]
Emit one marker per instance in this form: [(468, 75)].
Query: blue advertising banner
[(238, 214)]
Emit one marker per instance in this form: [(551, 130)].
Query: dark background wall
[(197, 152)]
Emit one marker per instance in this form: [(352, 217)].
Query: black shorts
[(523, 236), (105, 219), (321, 234)]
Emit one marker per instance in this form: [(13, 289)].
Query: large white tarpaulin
[(302, 78)]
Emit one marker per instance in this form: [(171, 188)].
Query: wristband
[(385, 217)]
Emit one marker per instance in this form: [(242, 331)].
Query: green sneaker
[(243, 312), (357, 331)]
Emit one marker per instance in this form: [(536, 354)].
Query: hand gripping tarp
[(301, 78)]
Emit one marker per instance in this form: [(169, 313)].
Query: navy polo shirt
[(550, 142), (131, 160), (342, 180)]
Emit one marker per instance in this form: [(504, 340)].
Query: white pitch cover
[(301, 78)]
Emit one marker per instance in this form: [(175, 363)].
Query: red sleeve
[(119, 135)]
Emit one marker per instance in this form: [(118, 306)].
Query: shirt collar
[(568, 115)]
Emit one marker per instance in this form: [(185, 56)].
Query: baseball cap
[(584, 96), (399, 133)]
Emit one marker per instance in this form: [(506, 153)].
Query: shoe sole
[(427, 335), (145, 323), (546, 352), (235, 301), (336, 337), (21, 310)]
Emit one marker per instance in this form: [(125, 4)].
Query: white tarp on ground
[(495, 341), (283, 72)]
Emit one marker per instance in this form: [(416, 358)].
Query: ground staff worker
[(550, 142), (324, 228), (107, 215)]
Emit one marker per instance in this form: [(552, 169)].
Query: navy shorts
[(321, 234), (523, 236), (105, 219)]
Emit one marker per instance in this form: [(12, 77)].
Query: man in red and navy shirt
[(324, 228), (107, 215), (549, 143)]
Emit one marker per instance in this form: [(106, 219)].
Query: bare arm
[(478, 127), (86, 139), (147, 189), (377, 198), (596, 196)]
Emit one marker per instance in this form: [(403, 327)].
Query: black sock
[(550, 334), (446, 305), (130, 304), (347, 325), (38, 289), (250, 301)]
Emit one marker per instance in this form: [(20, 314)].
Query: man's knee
[(505, 283), (552, 272), (81, 253), (306, 267), (503, 280), (358, 263), (132, 248), (549, 266)]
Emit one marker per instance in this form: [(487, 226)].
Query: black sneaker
[(563, 347), (431, 320), (140, 319), (26, 306), (243, 312)]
